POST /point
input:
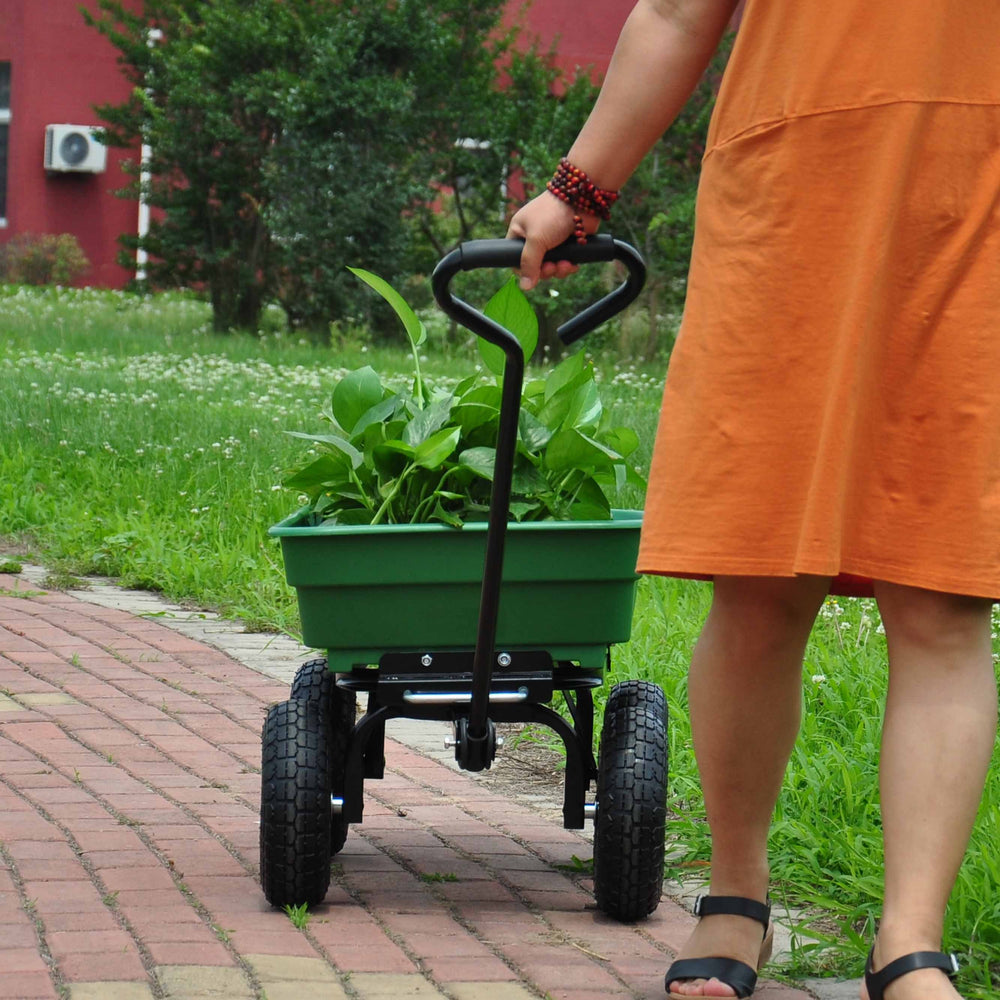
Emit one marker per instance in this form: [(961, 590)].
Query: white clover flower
[(819, 678)]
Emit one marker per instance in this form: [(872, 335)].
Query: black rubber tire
[(294, 805), (313, 682), (316, 683), (630, 826)]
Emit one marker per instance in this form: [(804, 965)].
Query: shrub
[(42, 260)]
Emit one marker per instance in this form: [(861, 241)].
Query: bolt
[(427, 659), (504, 659)]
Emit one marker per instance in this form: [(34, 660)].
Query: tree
[(208, 81), (370, 135)]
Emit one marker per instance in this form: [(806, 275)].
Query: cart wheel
[(294, 805), (630, 826), (314, 682)]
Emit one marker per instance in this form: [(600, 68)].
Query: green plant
[(433, 877), (416, 454), (299, 915), (42, 260)]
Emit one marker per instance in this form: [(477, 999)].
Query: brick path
[(129, 784)]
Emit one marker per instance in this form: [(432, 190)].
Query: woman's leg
[(745, 696), (937, 740)]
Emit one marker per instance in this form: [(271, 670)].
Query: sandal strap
[(878, 981), (736, 906), (737, 975)]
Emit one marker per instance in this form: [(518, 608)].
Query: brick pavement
[(129, 787)]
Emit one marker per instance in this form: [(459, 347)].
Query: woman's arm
[(661, 54)]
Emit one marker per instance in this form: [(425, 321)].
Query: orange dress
[(833, 401)]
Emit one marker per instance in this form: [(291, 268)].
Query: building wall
[(60, 67), (585, 33)]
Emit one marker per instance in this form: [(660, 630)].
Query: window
[(4, 136)]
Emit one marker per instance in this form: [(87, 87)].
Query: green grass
[(136, 444)]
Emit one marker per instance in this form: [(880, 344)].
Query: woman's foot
[(919, 984), (720, 935)]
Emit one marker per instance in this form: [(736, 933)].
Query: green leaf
[(356, 393), (397, 447), (433, 452), (523, 511), (334, 442), (415, 330), (376, 414), (528, 481), (624, 440), (479, 460), (566, 373), (428, 421), (590, 504), (562, 402), (569, 449), (445, 517), (511, 309), (533, 433), (584, 408), (318, 475), (477, 407)]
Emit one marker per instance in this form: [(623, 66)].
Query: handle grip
[(477, 254)]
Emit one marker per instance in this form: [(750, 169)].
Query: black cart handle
[(477, 254)]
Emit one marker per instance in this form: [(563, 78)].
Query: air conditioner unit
[(74, 149)]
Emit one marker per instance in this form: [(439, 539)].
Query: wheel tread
[(630, 828)]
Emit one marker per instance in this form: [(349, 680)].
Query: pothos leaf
[(432, 453), (319, 474), (479, 460), (356, 393), (415, 330), (511, 309)]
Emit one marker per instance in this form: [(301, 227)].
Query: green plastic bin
[(568, 586)]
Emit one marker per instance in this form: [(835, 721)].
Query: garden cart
[(474, 626)]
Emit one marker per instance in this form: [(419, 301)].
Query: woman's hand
[(544, 223)]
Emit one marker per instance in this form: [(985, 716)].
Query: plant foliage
[(422, 454), (50, 259)]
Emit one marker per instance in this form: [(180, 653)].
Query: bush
[(42, 260)]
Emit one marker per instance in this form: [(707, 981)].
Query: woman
[(831, 419)]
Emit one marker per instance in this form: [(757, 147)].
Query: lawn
[(136, 444)]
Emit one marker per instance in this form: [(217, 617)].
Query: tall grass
[(136, 444)]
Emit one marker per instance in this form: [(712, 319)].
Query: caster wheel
[(630, 825), (294, 805)]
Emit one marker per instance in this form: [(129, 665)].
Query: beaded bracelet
[(571, 185)]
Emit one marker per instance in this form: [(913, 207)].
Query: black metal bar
[(354, 778), (584, 720), (576, 780), (507, 253)]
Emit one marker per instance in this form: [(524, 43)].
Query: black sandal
[(737, 975), (876, 982)]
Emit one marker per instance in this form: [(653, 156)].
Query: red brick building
[(54, 69)]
